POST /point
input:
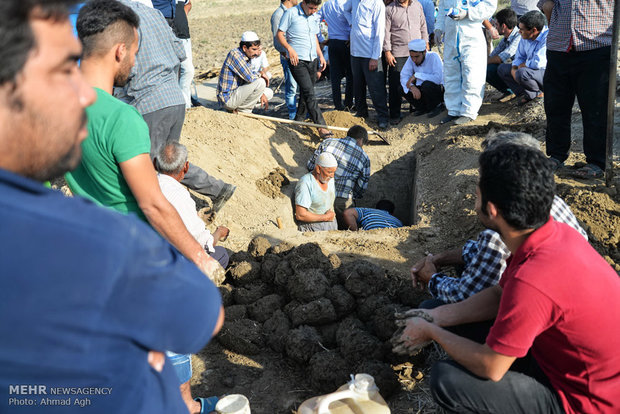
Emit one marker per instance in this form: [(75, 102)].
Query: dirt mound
[(272, 185)]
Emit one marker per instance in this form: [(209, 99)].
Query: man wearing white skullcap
[(238, 87), (422, 79), (315, 194)]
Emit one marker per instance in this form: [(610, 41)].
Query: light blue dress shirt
[(429, 14), (301, 32), (337, 15), (367, 28), (533, 52), (276, 17)]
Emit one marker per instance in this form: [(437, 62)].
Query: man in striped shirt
[(372, 218), (578, 55), (238, 88)]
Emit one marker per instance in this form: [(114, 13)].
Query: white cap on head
[(249, 37), (326, 160), (417, 45)]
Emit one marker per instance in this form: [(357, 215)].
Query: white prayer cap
[(417, 45), (326, 160), (249, 37)]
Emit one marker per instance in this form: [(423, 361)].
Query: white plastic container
[(233, 404), (358, 396)]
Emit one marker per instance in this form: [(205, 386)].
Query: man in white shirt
[(171, 164), (422, 79), (367, 34)]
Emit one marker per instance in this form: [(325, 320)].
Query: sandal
[(589, 171), (328, 134), (207, 405)]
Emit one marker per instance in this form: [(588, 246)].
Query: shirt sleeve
[(285, 21), (406, 73), (378, 31), (387, 41), (129, 135), (482, 11), (511, 49), (362, 181), (422, 23), (433, 72), (538, 56), (520, 56), (485, 261), (302, 194), (429, 15), (242, 68)]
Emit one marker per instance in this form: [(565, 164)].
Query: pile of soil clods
[(334, 319)]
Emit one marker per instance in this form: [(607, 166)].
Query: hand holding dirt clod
[(422, 271), (409, 339)]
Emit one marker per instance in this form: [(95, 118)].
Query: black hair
[(16, 36), (385, 205), (533, 18), (358, 132), (508, 17), (96, 16), (519, 181), (313, 2), (249, 44)]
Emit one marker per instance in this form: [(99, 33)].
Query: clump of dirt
[(272, 184), (328, 316)]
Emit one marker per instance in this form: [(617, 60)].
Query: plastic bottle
[(358, 396), (233, 404)]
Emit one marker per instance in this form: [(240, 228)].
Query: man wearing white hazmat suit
[(459, 25)]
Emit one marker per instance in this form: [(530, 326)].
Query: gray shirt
[(275, 22), (403, 24)]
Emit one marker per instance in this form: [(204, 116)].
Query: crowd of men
[(128, 294)]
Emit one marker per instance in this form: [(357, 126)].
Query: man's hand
[(390, 59), (411, 81), (292, 56), (422, 271), (220, 234), (415, 91), (329, 215), (411, 336), (264, 102), (156, 360), (322, 63), (373, 64), (494, 33)]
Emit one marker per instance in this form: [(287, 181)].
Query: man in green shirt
[(116, 170)]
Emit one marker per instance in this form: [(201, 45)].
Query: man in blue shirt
[(337, 15), (290, 86), (379, 217), (506, 24), (297, 33), (87, 296), (525, 75), (367, 34)]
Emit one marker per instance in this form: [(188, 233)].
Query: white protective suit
[(464, 55)]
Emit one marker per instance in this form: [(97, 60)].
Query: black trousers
[(340, 67), (375, 80), (432, 95), (456, 390), (396, 90), (586, 76), (305, 76)]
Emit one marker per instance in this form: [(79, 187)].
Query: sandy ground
[(245, 151)]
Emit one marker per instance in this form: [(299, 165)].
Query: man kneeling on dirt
[(239, 88), (422, 79), (172, 165), (379, 217), (558, 298), (315, 194), (483, 260)]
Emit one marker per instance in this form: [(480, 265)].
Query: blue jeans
[(182, 364), (290, 89)]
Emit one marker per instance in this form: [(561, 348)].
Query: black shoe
[(361, 115), (383, 125), (223, 197), (394, 121), (448, 118), (340, 108), (438, 109), (420, 112)]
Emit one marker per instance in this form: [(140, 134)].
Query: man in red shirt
[(556, 308)]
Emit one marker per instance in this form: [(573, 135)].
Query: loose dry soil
[(297, 324)]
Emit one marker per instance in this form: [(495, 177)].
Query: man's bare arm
[(350, 217), (303, 214)]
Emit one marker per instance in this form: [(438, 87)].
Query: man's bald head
[(102, 24)]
